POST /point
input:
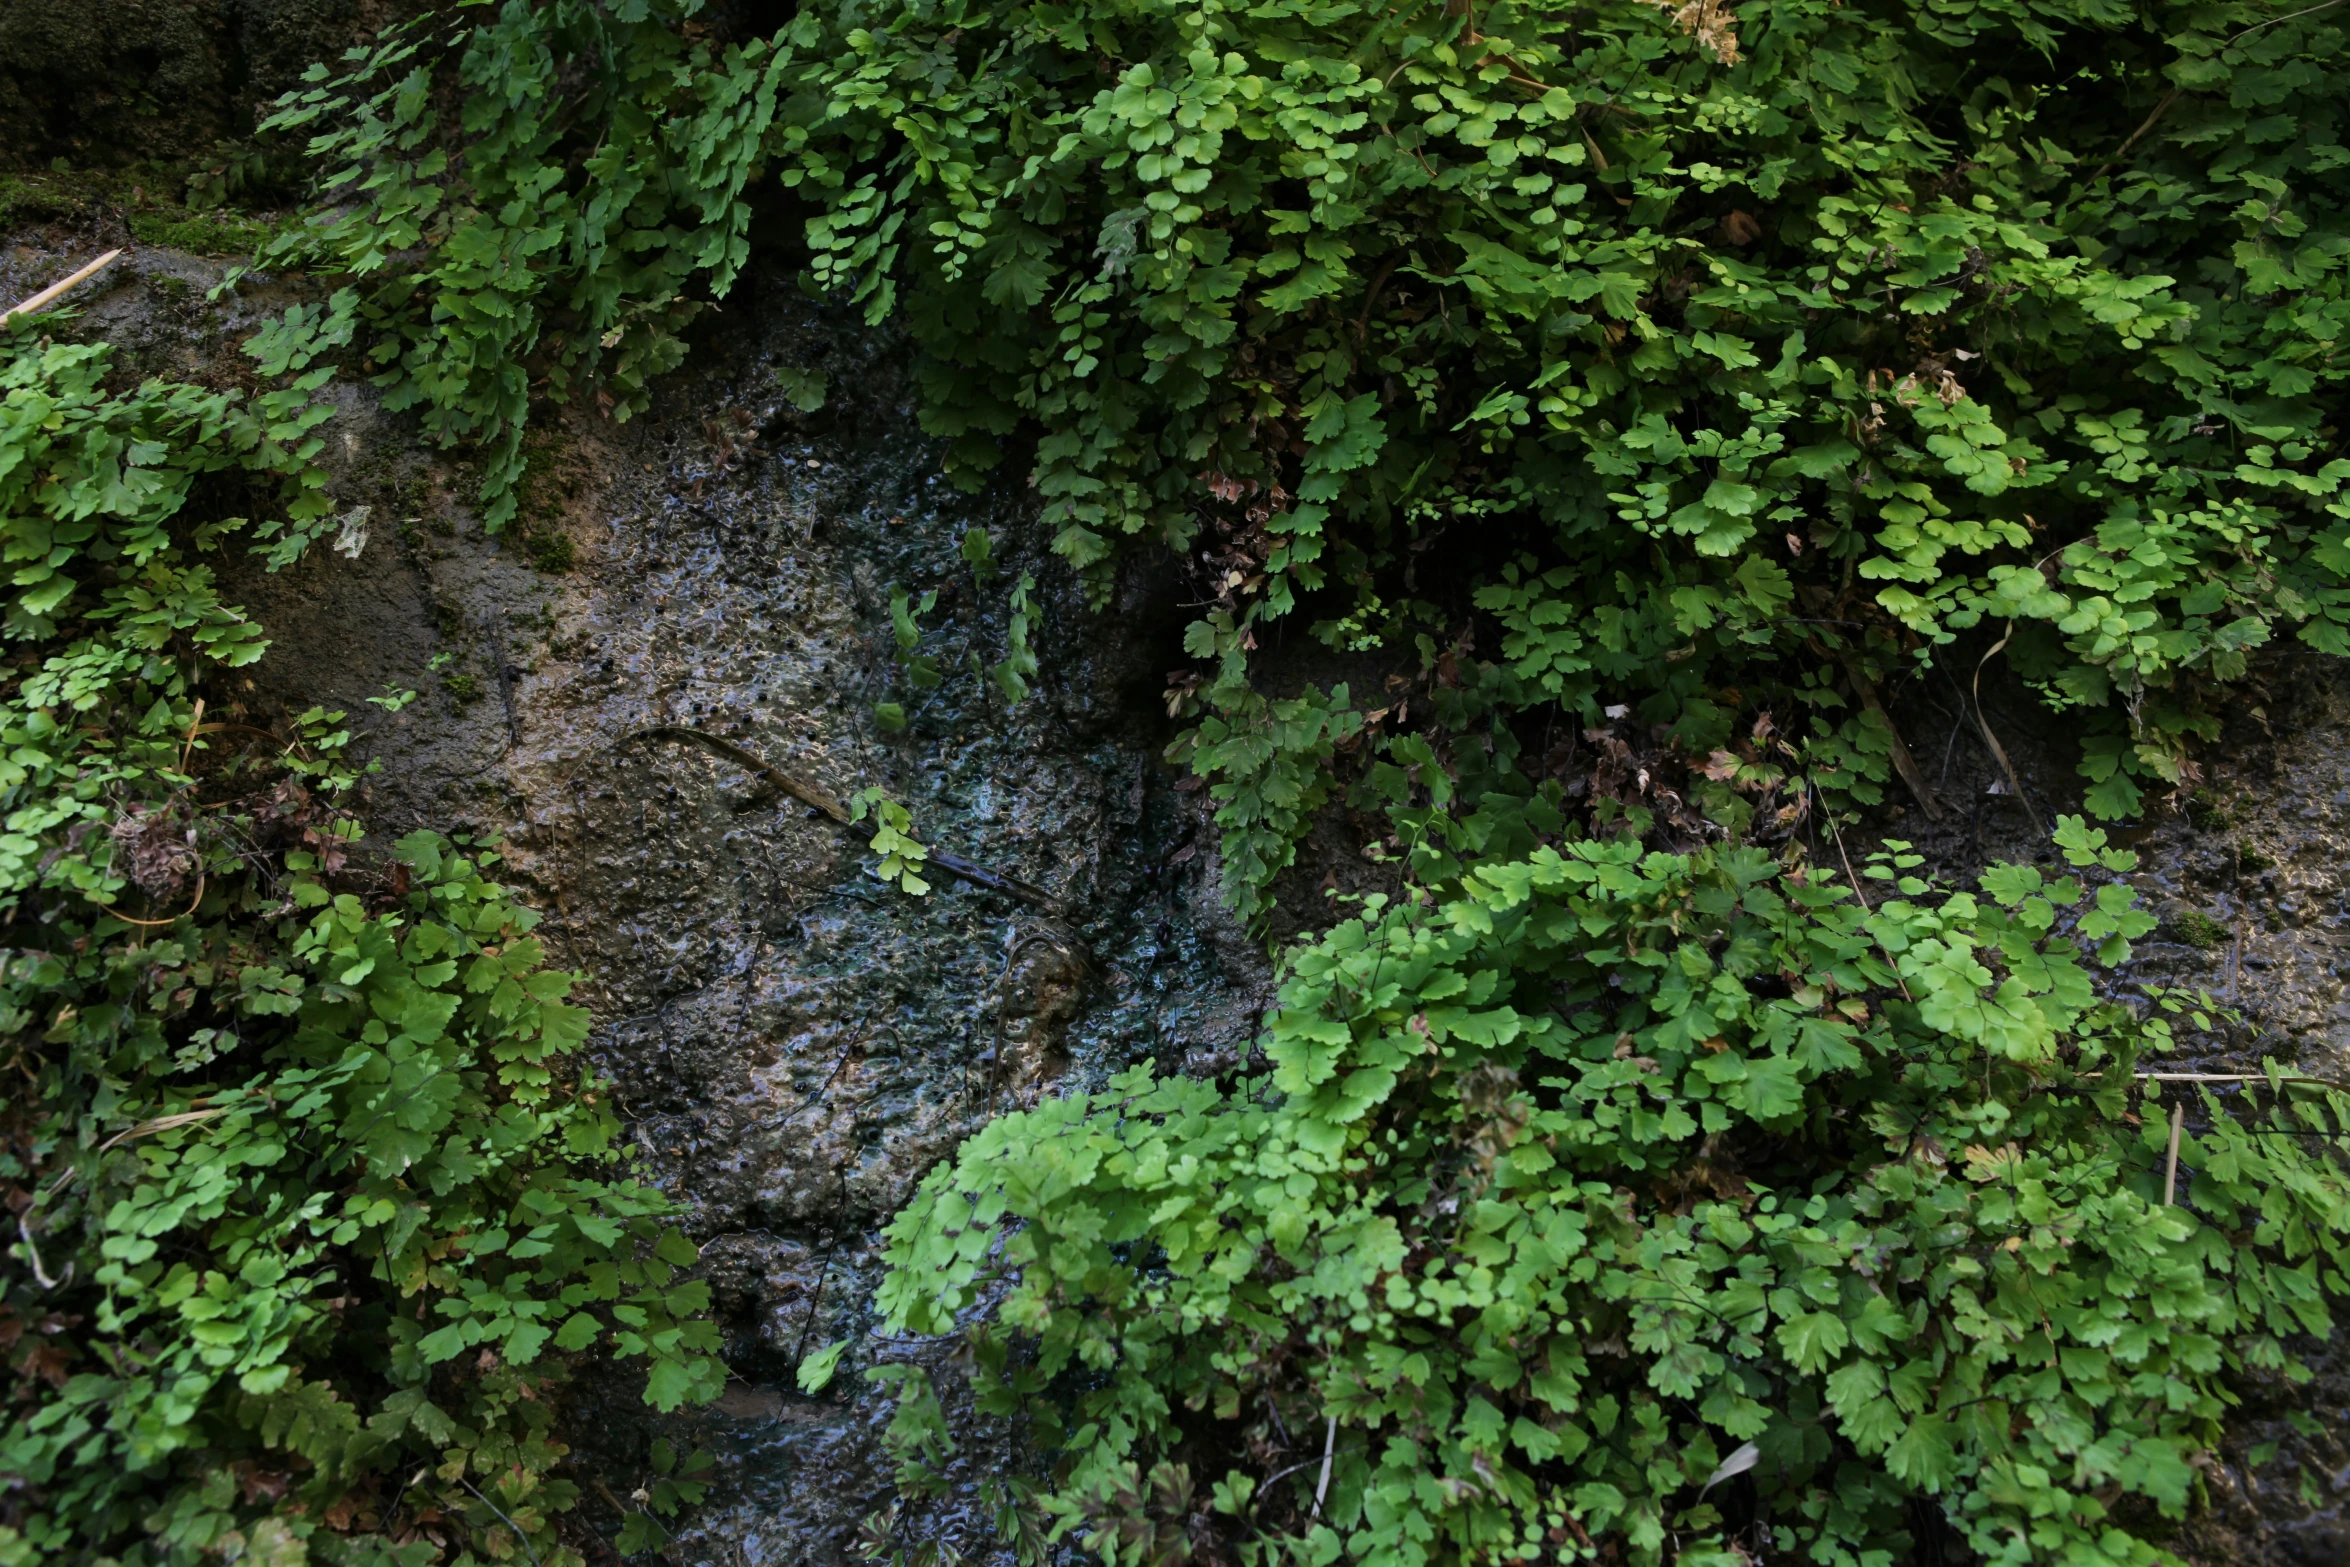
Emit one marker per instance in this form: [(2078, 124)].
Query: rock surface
[(795, 1042), (2248, 871), (116, 80)]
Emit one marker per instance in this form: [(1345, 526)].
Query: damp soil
[(796, 1043)]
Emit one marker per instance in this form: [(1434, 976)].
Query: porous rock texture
[(795, 1042)]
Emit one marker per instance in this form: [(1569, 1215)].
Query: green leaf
[(816, 1371), (1814, 1340), (1924, 1455), (802, 388)]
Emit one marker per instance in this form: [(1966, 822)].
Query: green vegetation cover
[(1726, 361), (1640, 1208), (1679, 375), (312, 1210)]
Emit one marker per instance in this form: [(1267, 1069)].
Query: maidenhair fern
[(1714, 363), (542, 229), (314, 1209), (1637, 1208)]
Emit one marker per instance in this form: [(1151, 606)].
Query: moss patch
[(2207, 813), (204, 233), (2196, 929), (550, 551), (150, 197), (553, 478)]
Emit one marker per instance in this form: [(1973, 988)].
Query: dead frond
[(1713, 23)]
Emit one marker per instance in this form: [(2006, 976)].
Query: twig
[(27, 307), (1903, 762), (826, 1086), (2160, 110), (510, 1523), (1329, 1450), (1280, 1475), (1849, 877), (606, 1492), (159, 1123), (2170, 1168), (809, 794), (1998, 751), (2235, 1077), (1371, 297), (188, 746), (2307, 10), (806, 794), (174, 920), (41, 1274), (816, 1301), (1864, 902), (147, 1128)]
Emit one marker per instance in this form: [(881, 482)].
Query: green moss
[(28, 198), (2196, 929), (144, 194), (551, 551), (204, 233), (462, 686), (2251, 859), (551, 480), (2207, 813)]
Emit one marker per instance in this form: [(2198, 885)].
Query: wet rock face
[(2248, 872), (2252, 881), (795, 1042), (2247, 869)]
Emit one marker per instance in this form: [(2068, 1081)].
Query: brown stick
[(2235, 1077), (1903, 762), (27, 307), (1998, 751), (1857, 892), (806, 794), (809, 794), (2123, 150)]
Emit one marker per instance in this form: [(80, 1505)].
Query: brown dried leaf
[(1713, 23), (153, 848)]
